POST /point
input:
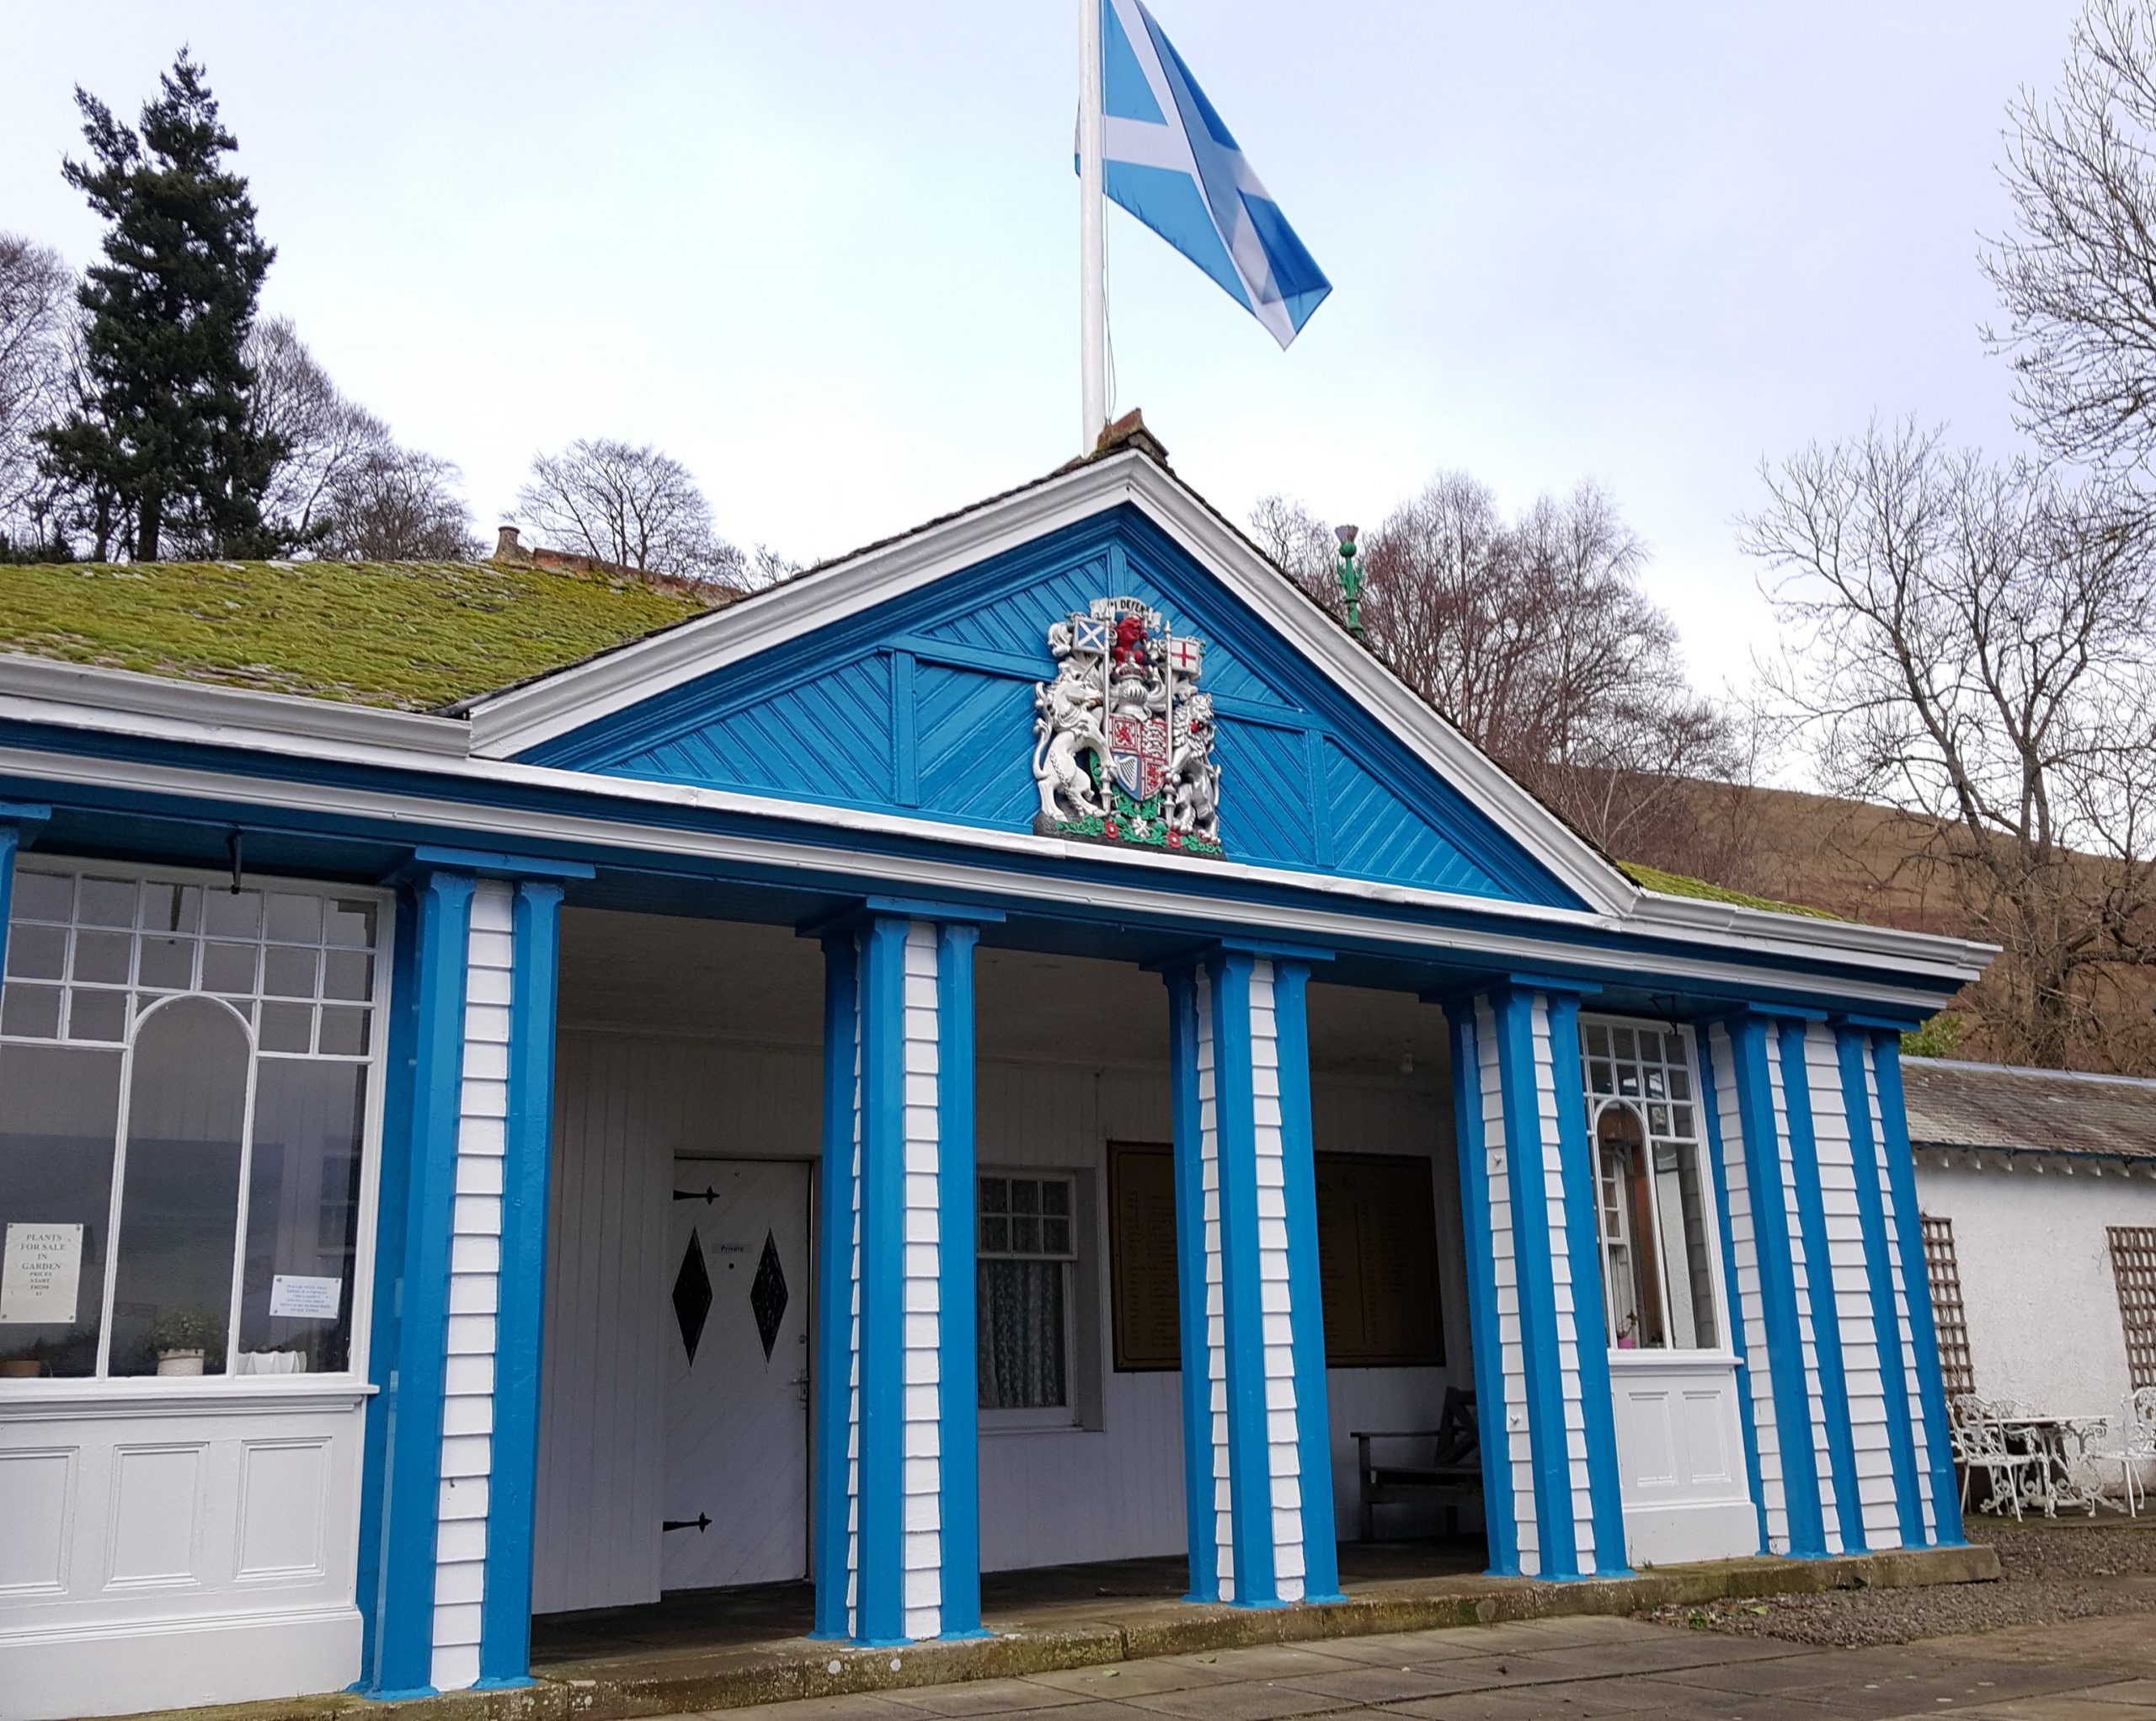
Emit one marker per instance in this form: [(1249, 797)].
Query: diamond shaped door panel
[(735, 1503)]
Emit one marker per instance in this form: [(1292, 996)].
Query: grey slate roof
[(1953, 1104)]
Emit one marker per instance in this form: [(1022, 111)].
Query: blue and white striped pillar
[(1257, 1468), (460, 1278), (1551, 1499), (897, 1497), (1819, 1220)]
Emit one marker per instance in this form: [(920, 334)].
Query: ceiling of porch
[(733, 980)]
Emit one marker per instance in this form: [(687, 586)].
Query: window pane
[(59, 1114), (1632, 1288), (295, 920), (33, 1011), (172, 908), (102, 957), (49, 896), (302, 1218), (168, 964), (233, 914), (229, 968), (37, 953), (345, 1033), (1684, 1248), (349, 924), (1020, 1354), (179, 1205), (97, 1016), (106, 902), (287, 1028), (350, 974), (288, 974)]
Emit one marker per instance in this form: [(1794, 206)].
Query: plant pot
[(21, 1368), (179, 1362)]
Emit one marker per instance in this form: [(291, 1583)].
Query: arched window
[(1651, 1203), (186, 1081)]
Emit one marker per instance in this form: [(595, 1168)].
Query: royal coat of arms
[(1123, 747)]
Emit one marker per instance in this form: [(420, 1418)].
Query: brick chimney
[(506, 546)]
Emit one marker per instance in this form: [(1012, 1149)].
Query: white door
[(737, 1375), (1680, 1448)]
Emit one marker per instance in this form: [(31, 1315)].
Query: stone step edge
[(784, 1672)]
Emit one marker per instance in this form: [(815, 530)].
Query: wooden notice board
[(1377, 1249), (1142, 1256), (1376, 1254)]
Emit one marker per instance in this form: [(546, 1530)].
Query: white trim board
[(1730, 932)]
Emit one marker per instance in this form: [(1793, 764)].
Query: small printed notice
[(300, 1298), (41, 1273)]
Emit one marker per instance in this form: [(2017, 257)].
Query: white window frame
[(1661, 1356), (1047, 1419), (105, 1389)]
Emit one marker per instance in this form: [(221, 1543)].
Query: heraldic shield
[(1122, 739)]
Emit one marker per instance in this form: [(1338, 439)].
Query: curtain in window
[(1021, 1347)]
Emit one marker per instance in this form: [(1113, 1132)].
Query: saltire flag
[(1167, 157)]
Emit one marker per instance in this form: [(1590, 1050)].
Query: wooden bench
[(1447, 1471)]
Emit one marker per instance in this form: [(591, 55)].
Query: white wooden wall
[(626, 1106)]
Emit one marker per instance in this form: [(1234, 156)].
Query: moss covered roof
[(410, 635), (1677, 885)]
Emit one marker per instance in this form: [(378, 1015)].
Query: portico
[(1004, 1051)]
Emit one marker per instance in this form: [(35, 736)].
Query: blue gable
[(924, 706)]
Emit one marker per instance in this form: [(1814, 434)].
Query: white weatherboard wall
[(1283, 1451), (468, 1413), (2035, 1271), (1112, 1489), (923, 1327)]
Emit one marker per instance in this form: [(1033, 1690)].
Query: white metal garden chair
[(1980, 1443), (2130, 1443)]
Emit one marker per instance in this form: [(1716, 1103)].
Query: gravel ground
[(2068, 1569)]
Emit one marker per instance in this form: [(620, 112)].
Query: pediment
[(922, 705)]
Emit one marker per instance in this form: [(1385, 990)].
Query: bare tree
[(1970, 643), (2077, 274), (324, 435), (397, 505), (630, 505), (1533, 635), (38, 322)]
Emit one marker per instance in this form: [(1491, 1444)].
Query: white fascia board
[(1151, 890), (85, 693), (524, 718)]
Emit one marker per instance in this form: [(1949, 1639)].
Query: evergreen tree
[(165, 431)]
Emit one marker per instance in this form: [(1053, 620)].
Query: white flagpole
[(1092, 233)]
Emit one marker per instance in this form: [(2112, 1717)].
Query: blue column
[(897, 1540), (1819, 1281), (1916, 1275), (1199, 1506), (1850, 1054), (835, 1312), (1583, 1249), (880, 1603), (505, 1628), (959, 1447), (1306, 1290), (411, 1329), (1734, 1316), (1773, 1224), (1252, 1318), (1501, 1529)]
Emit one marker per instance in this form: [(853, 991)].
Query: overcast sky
[(826, 253)]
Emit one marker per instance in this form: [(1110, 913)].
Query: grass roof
[(410, 635), (1677, 885)]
